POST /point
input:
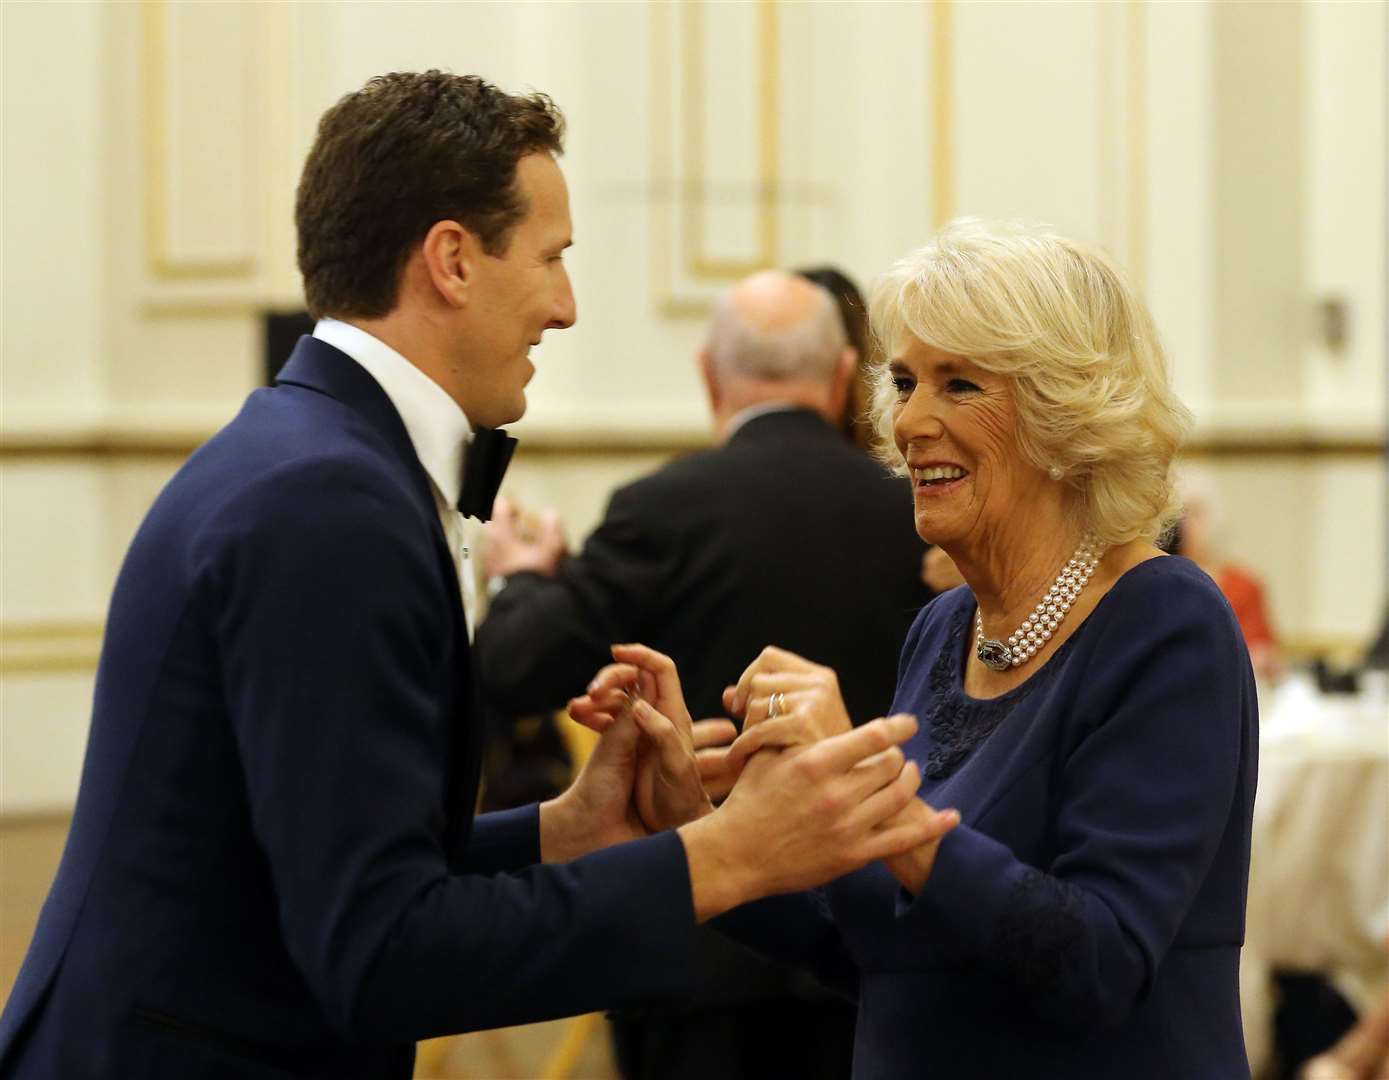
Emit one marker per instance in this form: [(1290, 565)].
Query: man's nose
[(566, 311)]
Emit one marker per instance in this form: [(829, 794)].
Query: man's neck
[(739, 404), (406, 336)]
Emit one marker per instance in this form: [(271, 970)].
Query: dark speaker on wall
[(281, 330)]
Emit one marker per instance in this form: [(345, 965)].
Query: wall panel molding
[(688, 269), (35, 647), (942, 111), (188, 235)]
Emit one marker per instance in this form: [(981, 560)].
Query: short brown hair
[(405, 151)]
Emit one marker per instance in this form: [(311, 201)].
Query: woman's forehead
[(921, 356)]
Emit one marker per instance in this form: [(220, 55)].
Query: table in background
[(1319, 873)]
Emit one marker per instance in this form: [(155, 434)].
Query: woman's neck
[(1010, 574)]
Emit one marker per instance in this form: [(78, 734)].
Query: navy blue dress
[(1085, 919)]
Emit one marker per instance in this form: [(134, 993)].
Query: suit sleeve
[(545, 637), (333, 627), (1145, 797), (796, 929)]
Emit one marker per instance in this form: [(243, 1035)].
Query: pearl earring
[(1056, 472)]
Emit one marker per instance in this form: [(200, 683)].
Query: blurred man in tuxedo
[(274, 867), (707, 560)]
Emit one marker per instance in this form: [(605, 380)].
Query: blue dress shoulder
[(1085, 919)]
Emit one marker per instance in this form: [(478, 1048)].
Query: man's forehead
[(546, 194)]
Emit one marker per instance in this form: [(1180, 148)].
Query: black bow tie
[(484, 464)]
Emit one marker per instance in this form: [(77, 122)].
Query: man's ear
[(451, 254), (710, 379)]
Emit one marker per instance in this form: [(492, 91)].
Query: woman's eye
[(903, 386), (961, 386)]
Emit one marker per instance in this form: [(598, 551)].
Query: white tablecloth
[(1319, 873)]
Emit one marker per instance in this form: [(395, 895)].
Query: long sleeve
[(329, 614), (544, 637), (796, 929), (1144, 791)]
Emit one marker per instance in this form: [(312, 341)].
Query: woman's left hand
[(913, 868), (784, 701)]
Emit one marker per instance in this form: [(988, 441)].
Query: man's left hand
[(675, 755)]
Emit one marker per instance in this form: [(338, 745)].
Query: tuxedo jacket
[(786, 535), (273, 868)]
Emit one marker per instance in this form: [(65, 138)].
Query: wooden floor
[(575, 1049)]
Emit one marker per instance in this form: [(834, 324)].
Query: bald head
[(776, 326)]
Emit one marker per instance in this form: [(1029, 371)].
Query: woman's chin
[(933, 530)]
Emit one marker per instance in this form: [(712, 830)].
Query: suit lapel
[(316, 365)]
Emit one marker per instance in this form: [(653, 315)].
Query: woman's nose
[(917, 419)]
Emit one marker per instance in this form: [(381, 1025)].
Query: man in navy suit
[(273, 868)]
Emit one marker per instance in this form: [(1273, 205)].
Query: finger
[(716, 772), (670, 746), (614, 676), (888, 798), (765, 683), (873, 773), (770, 659), (659, 665), (715, 764), (839, 753), (759, 709), (609, 694), (779, 733), (583, 711), (728, 696), (713, 732), (900, 839)]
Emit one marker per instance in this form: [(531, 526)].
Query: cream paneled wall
[(1233, 156)]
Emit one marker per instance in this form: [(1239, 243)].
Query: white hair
[(807, 349), (1089, 378)]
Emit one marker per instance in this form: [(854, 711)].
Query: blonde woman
[(1086, 702)]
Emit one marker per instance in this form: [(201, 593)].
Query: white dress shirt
[(752, 412), (437, 427)]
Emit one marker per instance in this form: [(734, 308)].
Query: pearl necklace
[(1036, 630)]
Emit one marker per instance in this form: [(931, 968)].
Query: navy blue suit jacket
[(273, 868)]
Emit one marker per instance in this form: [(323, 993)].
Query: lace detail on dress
[(958, 723), (1040, 932)]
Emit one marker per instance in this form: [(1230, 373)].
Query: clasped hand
[(787, 705), (677, 758)]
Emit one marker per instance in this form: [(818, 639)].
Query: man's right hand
[(801, 817)]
